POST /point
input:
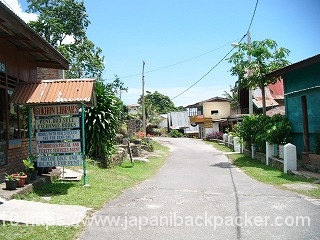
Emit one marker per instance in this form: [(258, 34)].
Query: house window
[(214, 112), (12, 118)]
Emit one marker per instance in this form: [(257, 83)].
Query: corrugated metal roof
[(54, 91), (273, 92)]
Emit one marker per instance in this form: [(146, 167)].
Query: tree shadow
[(222, 165), (55, 188)]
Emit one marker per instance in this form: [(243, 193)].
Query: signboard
[(208, 123), (61, 160), (55, 110), (57, 123), (59, 147), (14, 143), (58, 135)]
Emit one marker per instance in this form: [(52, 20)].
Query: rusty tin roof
[(54, 91)]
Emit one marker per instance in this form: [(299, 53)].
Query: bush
[(175, 133), (214, 135), (278, 130)]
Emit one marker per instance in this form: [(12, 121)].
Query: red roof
[(54, 91)]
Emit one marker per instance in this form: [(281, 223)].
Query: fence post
[(269, 152), (289, 158), (225, 139), (236, 144), (230, 137)]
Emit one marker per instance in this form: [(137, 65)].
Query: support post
[(269, 152), (304, 106), (83, 147), (30, 133), (290, 158)]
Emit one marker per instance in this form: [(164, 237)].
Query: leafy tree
[(59, 19), (85, 59), (264, 57), (158, 102), (232, 96)]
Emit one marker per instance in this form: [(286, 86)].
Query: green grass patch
[(267, 174), (105, 185), (219, 146)]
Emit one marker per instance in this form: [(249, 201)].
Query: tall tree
[(265, 57), (59, 19), (156, 104)]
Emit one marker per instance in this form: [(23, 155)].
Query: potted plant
[(29, 167), (11, 182), (21, 178)]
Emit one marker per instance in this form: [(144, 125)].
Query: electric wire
[(171, 65), (254, 12)]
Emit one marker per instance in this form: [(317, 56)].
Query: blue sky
[(196, 34)]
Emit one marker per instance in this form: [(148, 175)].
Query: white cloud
[(15, 6)]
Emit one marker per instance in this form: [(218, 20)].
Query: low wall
[(311, 162)]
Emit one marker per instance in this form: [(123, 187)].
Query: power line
[(254, 12), (174, 64)]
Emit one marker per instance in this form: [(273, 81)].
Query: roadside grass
[(268, 174), (219, 146), (105, 185)]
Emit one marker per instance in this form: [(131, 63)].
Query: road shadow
[(222, 165)]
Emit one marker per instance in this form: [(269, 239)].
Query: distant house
[(133, 108), (302, 100), (207, 115), (274, 95)]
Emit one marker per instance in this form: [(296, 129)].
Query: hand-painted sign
[(57, 123), (56, 110), (61, 160), (59, 147), (58, 135)]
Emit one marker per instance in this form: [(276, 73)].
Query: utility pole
[(143, 103), (249, 72)]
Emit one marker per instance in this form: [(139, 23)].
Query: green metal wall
[(305, 81)]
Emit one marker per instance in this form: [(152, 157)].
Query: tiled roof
[(54, 91)]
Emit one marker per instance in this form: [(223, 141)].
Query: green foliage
[(8, 177), (278, 130), (175, 133), (232, 96), (158, 103), (28, 164), (258, 129), (102, 122), (253, 61), (251, 129), (86, 60), (59, 19)]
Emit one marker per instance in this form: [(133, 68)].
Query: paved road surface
[(197, 194)]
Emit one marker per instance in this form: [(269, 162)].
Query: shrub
[(214, 135), (175, 133), (278, 130)]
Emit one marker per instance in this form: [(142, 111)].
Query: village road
[(198, 194)]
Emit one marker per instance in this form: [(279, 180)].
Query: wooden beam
[(304, 108)]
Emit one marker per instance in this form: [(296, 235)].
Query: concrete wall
[(222, 107)]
